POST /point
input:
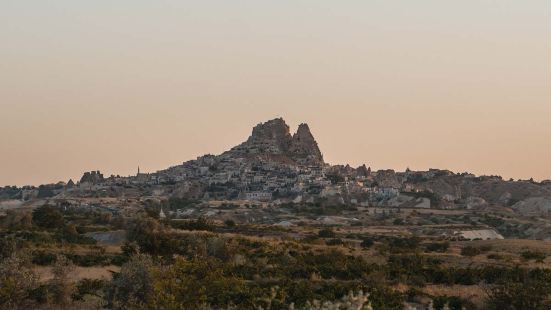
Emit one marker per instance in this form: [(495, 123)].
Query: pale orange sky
[(110, 85)]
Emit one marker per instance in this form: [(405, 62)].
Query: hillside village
[(275, 193), (274, 170)]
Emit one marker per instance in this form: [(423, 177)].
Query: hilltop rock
[(274, 138), (70, 184), (363, 171), (92, 177), (304, 146), (387, 178), (534, 206)]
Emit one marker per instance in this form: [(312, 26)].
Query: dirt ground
[(474, 293), (105, 273)]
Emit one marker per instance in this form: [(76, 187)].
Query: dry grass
[(104, 273), (474, 293)]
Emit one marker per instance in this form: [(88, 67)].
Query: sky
[(113, 85)]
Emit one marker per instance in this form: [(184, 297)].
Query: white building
[(258, 196)]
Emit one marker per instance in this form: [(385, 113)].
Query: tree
[(105, 218), (367, 243), (532, 294), (153, 211), (45, 191), (438, 247), (230, 223), (133, 286), (398, 222), (16, 281), (326, 233), (130, 248), (470, 251), (535, 255), (70, 233), (8, 246), (48, 217), (88, 287), (142, 225), (60, 284), (17, 220), (196, 283)]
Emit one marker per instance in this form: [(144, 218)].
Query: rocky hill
[(273, 138)]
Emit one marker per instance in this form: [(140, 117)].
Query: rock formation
[(92, 177), (304, 147), (274, 138), (70, 184), (363, 171)]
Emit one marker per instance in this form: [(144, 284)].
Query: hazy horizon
[(112, 86)]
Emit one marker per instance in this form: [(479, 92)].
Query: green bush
[(470, 251), (48, 217), (43, 258), (367, 243), (334, 242), (198, 224), (88, 287), (533, 255), (438, 247), (326, 233)]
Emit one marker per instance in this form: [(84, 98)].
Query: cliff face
[(304, 146), (274, 138)]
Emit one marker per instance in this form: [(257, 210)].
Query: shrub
[(438, 247), (133, 286), (60, 285), (533, 255), (197, 282), (495, 256), (8, 246), (398, 222), (48, 217), (326, 233), (452, 302), (367, 243), (334, 242), (43, 258), (16, 281), (89, 260), (88, 287), (198, 224), (470, 251), (229, 223), (402, 245), (531, 294)]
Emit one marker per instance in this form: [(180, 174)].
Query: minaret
[(138, 170)]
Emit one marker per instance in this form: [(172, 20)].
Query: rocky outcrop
[(304, 146), (387, 178), (92, 177), (274, 138), (540, 206), (475, 203), (363, 171), (483, 234), (70, 184)]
